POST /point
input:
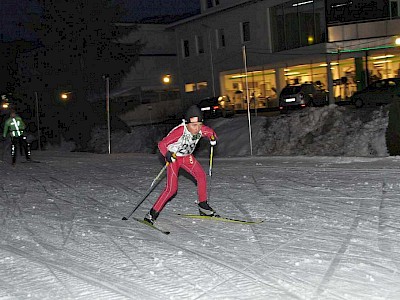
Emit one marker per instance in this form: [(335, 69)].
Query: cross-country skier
[(177, 148), (15, 127)]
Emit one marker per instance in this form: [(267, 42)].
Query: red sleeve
[(172, 137), (208, 132)]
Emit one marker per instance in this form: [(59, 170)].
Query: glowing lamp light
[(310, 39), (167, 79), (397, 41), (65, 95)]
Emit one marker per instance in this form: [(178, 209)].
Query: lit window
[(202, 85), (190, 87), (302, 3)]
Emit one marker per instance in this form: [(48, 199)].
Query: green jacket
[(15, 126)]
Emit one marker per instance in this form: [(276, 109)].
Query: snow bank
[(317, 131), (327, 131)]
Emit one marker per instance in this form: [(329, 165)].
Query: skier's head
[(193, 115), (194, 120), (12, 113)]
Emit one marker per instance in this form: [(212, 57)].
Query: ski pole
[(211, 160), (212, 139), (152, 186), (210, 170)]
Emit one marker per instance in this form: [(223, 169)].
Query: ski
[(223, 219), (151, 226)]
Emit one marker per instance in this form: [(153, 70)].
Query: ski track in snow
[(331, 230)]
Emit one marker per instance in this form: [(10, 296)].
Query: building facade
[(154, 76), (257, 47)]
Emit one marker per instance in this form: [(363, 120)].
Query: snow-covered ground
[(331, 228)]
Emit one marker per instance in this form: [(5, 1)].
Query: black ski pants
[(23, 144)]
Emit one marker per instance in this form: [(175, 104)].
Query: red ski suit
[(180, 141)]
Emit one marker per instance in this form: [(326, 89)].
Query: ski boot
[(206, 210), (151, 216)]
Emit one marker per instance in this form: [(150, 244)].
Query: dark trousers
[(21, 140)]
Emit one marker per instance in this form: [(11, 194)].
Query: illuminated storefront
[(343, 74), (348, 74), (261, 84), (383, 66)]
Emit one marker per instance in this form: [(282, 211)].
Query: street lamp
[(4, 101), (65, 96), (166, 79)]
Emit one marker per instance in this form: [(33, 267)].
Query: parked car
[(302, 95), (215, 107), (378, 93)]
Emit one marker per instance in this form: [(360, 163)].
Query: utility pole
[(107, 79), (248, 98), (37, 120), (211, 58)]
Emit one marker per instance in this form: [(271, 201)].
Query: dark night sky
[(13, 12)]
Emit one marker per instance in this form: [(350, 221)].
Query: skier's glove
[(170, 157), (213, 141)]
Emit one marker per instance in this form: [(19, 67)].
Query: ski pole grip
[(170, 157), (213, 142)]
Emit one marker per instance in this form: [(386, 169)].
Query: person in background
[(177, 148), (14, 126)]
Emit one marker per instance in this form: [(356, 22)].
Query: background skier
[(15, 127), (177, 148)]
